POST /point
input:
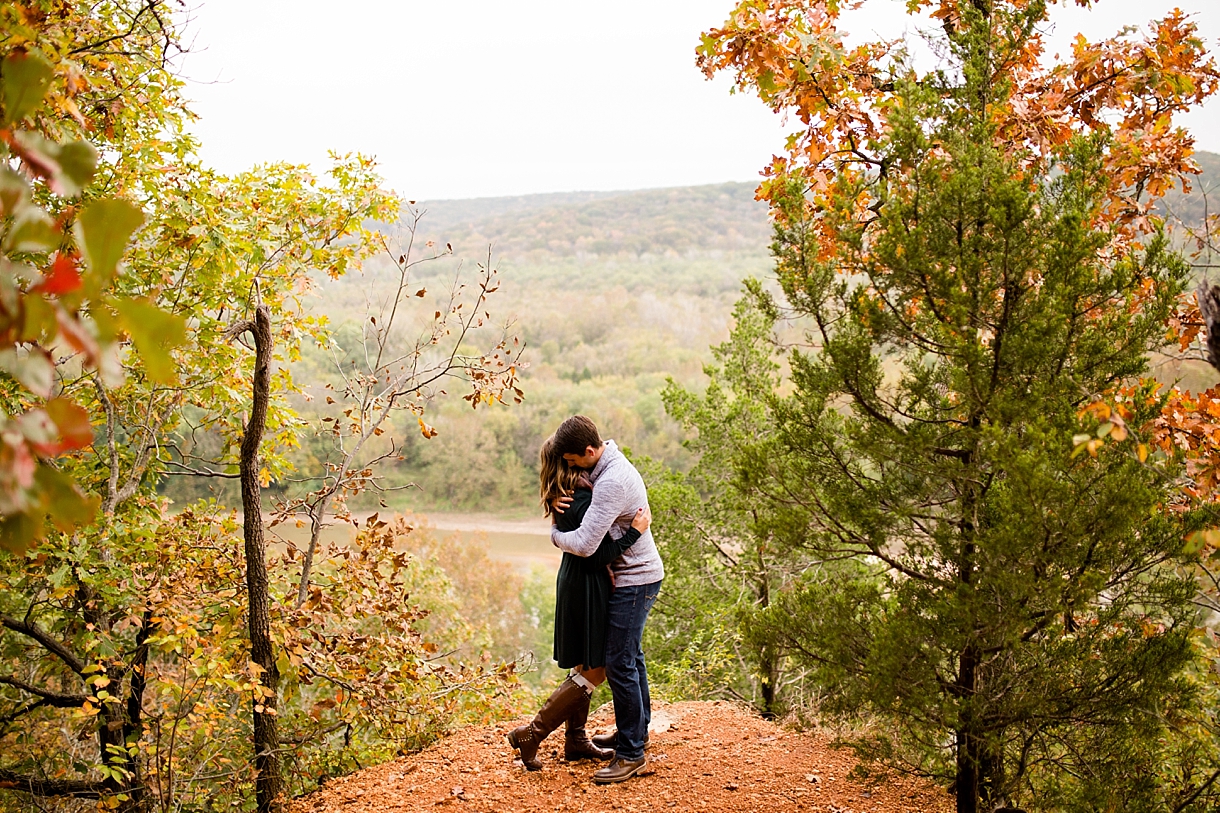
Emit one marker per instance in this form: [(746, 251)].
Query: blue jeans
[(625, 668)]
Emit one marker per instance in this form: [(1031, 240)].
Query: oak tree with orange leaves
[(974, 247)]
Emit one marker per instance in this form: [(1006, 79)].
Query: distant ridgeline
[(685, 222), (1204, 195), (677, 222)]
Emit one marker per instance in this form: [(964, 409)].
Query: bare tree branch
[(60, 650), (37, 786), (49, 698)]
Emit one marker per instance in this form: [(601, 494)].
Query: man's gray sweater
[(618, 491)]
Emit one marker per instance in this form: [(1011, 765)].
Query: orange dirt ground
[(703, 757)]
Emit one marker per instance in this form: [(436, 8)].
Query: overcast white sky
[(475, 98)]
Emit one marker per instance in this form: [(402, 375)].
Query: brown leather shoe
[(576, 744), (610, 740), (557, 708), (619, 770), (607, 740)]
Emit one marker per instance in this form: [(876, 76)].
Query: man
[(618, 492)]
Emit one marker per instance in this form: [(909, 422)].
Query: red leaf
[(16, 457), (74, 333), (38, 163), (62, 277), (72, 420)]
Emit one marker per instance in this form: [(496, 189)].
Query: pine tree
[(729, 547), (1009, 603), (1014, 604)]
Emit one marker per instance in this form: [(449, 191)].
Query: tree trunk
[(966, 785), (767, 683), (1208, 298), (768, 661), (110, 720), (269, 782), (133, 727), (316, 518), (965, 688)]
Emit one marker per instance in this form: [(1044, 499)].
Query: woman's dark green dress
[(582, 592)]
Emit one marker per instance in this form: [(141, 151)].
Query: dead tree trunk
[(1209, 307), (269, 781)]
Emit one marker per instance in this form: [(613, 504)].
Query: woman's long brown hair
[(555, 477)]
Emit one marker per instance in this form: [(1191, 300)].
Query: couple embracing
[(608, 581)]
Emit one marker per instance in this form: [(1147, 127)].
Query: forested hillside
[(613, 293), (1204, 197), (680, 222)]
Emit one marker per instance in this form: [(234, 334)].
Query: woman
[(582, 594)]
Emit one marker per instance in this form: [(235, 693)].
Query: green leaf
[(68, 167), (1196, 541), (32, 368), (18, 532), (109, 325), (41, 323), (24, 79), (14, 192), (32, 230), (68, 507), (102, 231), (77, 163), (154, 331)]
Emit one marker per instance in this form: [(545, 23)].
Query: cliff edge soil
[(705, 757)]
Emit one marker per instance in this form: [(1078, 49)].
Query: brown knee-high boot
[(557, 708), (576, 744)]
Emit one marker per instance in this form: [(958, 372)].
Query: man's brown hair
[(575, 435)]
